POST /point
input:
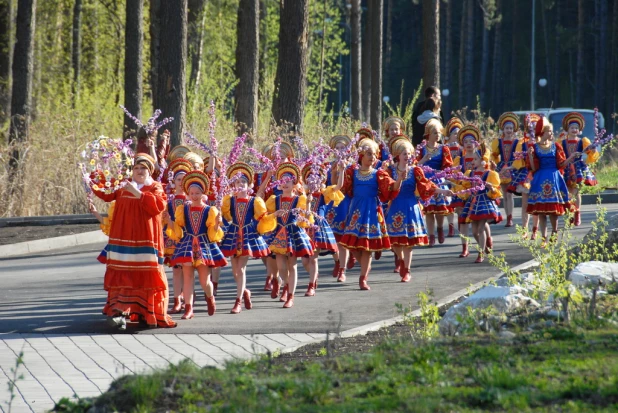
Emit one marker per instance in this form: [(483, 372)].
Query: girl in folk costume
[(450, 131), (262, 181), (521, 177), (247, 219), (178, 168), (548, 192), (368, 187), (502, 152), (197, 228), (212, 165), (438, 157), (469, 139), (404, 220), (195, 159), (577, 173), (481, 208), (134, 277), (290, 240), (392, 127), (177, 152), (336, 214), (321, 234)]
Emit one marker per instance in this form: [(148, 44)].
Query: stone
[(594, 273), (502, 300)]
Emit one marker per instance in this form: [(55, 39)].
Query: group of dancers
[(377, 192)]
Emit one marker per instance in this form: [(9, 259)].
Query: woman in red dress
[(134, 278)]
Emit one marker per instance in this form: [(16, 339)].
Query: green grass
[(607, 177), (557, 369)]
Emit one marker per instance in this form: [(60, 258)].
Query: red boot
[(246, 295), (397, 265), (534, 231), (210, 304), (405, 275), (268, 285), (464, 251), (236, 309), (509, 221), (479, 259), (432, 240), (351, 262), (441, 238), (336, 269), (289, 302), (310, 290), (578, 219), (188, 315), (284, 294), (177, 306), (451, 230), (488, 245), (341, 275), (362, 282), (275, 291), (378, 255), (215, 287)]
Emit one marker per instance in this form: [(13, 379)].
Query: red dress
[(134, 278)]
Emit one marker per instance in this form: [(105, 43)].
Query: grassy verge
[(558, 368), (607, 177)]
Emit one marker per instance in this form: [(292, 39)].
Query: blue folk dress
[(404, 218), (173, 202), (440, 159), (290, 237), (482, 205), (548, 191), (578, 172), (321, 233), (336, 214)]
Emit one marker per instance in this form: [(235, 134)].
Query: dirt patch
[(13, 235)]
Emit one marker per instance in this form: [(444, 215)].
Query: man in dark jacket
[(418, 129)]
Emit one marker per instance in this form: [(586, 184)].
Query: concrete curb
[(49, 220), (49, 244)]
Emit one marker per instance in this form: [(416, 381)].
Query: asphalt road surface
[(62, 291)]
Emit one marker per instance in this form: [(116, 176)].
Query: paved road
[(62, 292)]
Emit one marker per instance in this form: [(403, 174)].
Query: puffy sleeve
[(106, 225), (495, 151), (215, 233), (348, 182), (462, 185), (266, 222), (302, 204), (385, 186), (331, 195), (494, 179), (106, 197), (532, 162), (592, 154), (519, 163), (154, 201), (424, 186), (560, 157), (457, 161), (174, 231), (447, 160), (271, 204), (225, 208)]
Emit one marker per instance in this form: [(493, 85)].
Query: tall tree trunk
[(377, 28), (197, 21), (497, 79), (23, 65), (597, 52), (322, 50), (548, 76), (76, 49), (431, 43), (469, 56), (462, 54), (155, 38), (602, 62), (366, 71), (172, 66), (6, 57), (613, 72), (247, 67), (484, 67), (513, 56), (389, 33), (355, 20), (557, 68), (581, 22), (133, 62), (447, 82), (291, 77)]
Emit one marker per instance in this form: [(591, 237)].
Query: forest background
[(358, 61)]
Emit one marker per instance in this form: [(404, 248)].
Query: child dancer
[(502, 152), (577, 173), (392, 127), (481, 208), (247, 219), (404, 220), (290, 240), (198, 247), (548, 192), (450, 131), (521, 178), (321, 234), (368, 187), (437, 157), (336, 214), (179, 168)]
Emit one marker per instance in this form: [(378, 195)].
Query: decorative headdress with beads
[(506, 118), (468, 131), (451, 125), (288, 170), (393, 119), (242, 168), (573, 117), (337, 139), (198, 179), (180, 166), (146, 160)]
